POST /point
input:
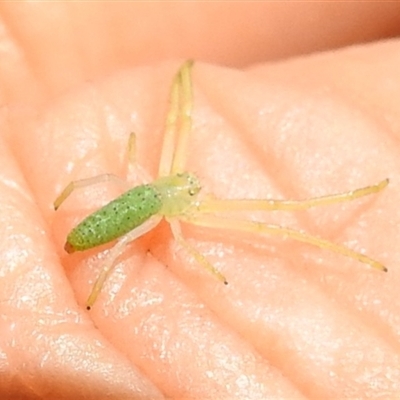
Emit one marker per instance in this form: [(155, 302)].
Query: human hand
[(294, 321)]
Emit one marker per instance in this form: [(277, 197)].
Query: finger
[(93, 39)]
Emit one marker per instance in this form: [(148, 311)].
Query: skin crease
[(294, 321)]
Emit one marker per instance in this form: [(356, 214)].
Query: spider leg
[(211, 205), (115, 252), (185, 115), (82, 183), (211, 221), (135, 171), (177, 233), (178, 123)]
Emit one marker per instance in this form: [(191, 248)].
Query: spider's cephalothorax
[(178, 193)]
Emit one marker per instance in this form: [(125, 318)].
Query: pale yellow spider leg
[(267, 229), (211, 204), (185, 119), (131, 151), (103, 178), (82, 183), (171, 124), (135, 170), (115, 252), (177, 233)]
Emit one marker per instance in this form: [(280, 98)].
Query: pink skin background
[(295, 322)]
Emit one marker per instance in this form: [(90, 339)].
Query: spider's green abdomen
[(115, 219)]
